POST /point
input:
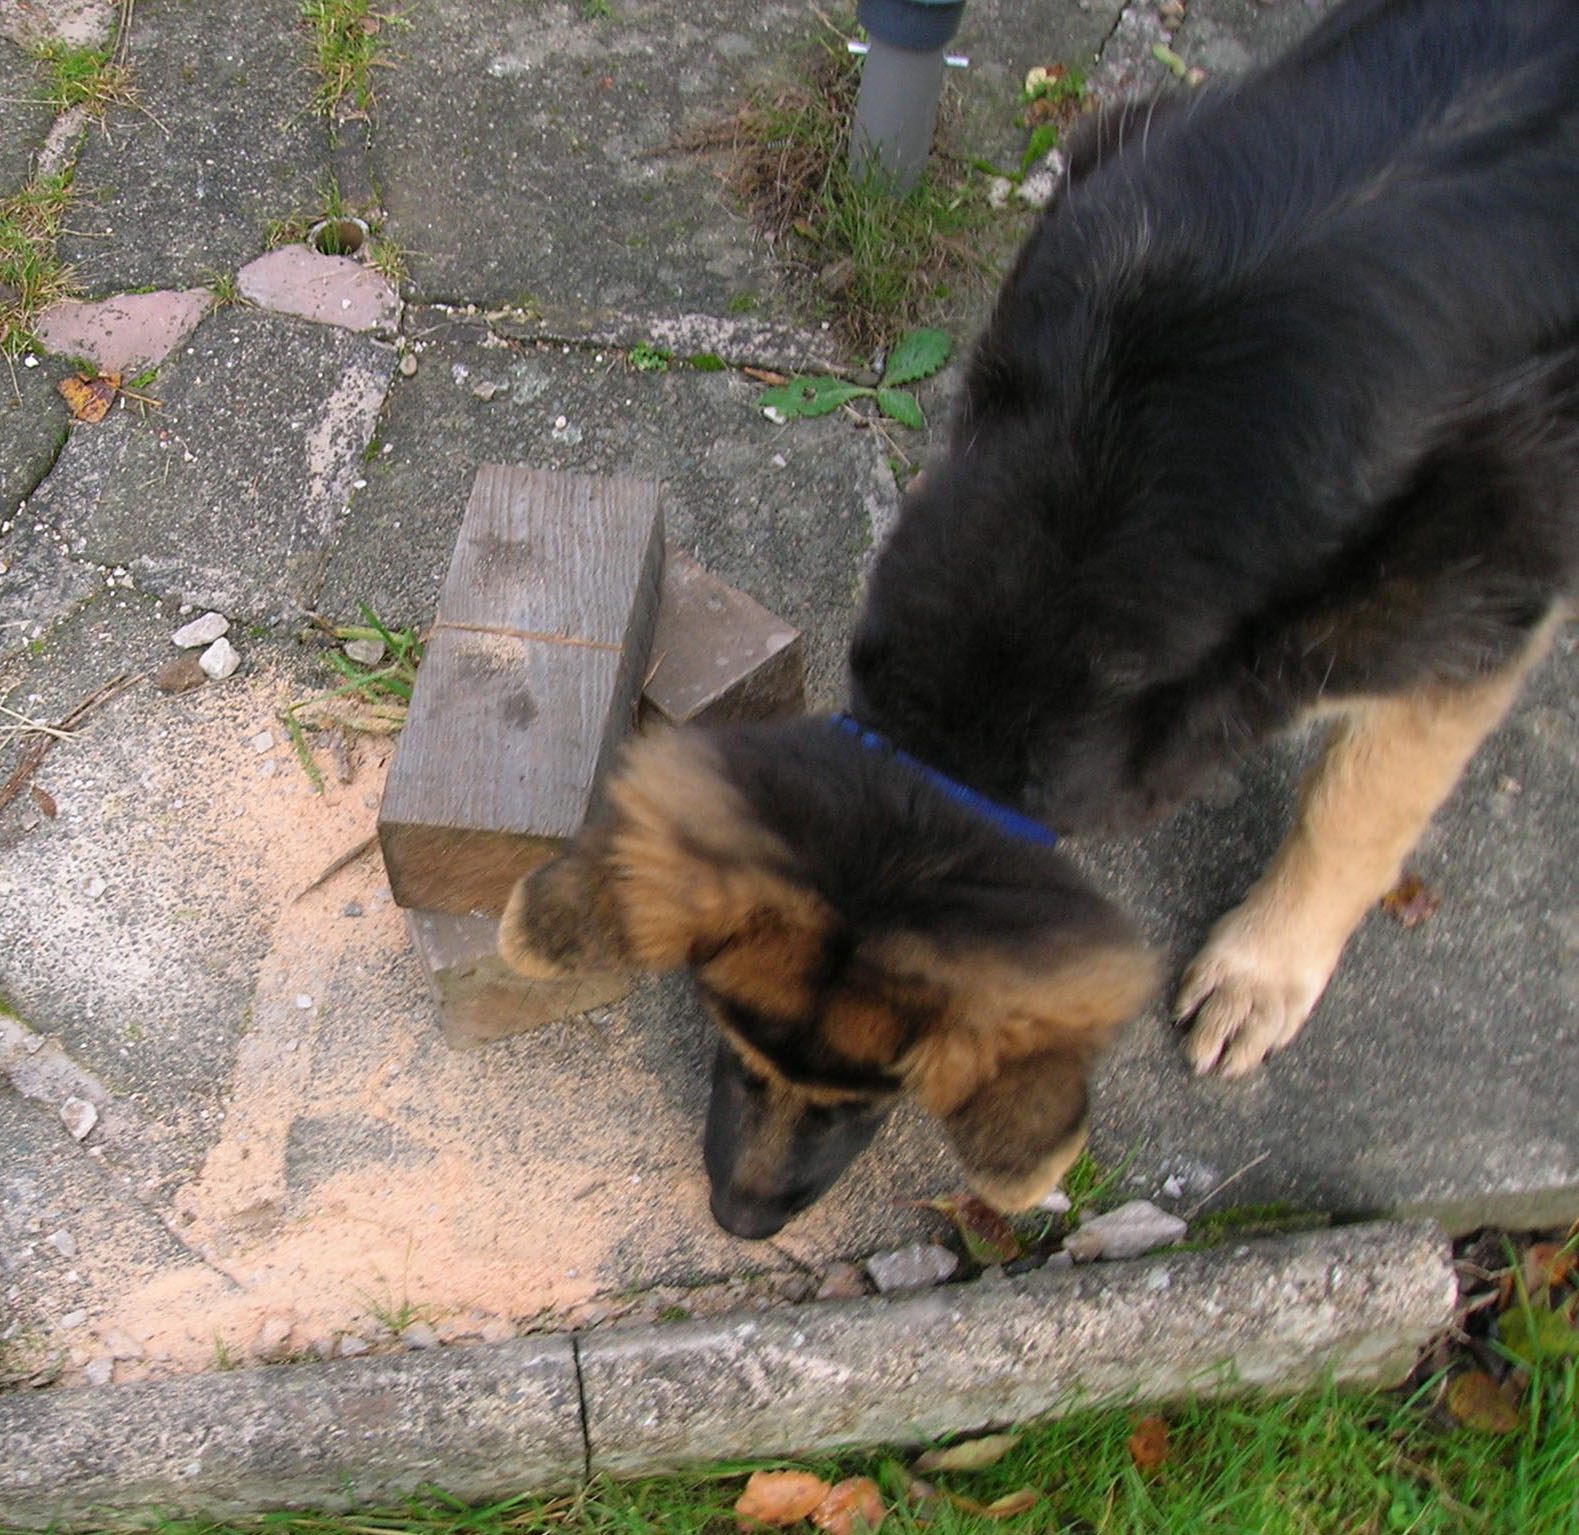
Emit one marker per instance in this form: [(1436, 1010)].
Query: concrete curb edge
[(540, 1413)]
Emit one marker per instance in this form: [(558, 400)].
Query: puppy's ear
[(1007, 1072), (664, 877)]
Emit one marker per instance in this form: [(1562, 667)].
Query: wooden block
[(529, 682), (479, 997), (717, 655)]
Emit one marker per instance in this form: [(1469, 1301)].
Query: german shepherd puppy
[(1277, 416)]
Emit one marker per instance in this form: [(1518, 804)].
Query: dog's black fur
[(1279, 403), (1278, 412)]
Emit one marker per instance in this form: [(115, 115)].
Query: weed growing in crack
[(349, 38)]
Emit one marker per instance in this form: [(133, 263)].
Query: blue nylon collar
[(1011, 823)]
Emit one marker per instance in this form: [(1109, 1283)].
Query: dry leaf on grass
[(777, 1498), (1547, 1264), (1478, 1402), (972, 1455), (1411, 901), (987, 1236), (1010, 1503), (89, 396), (851, 1506), (1148, 1444)]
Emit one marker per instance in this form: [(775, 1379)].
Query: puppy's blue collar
[(1011, 823)]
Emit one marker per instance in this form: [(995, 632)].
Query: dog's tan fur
[(1386, 767), (679, 874)]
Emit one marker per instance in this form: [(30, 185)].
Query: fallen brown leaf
[(1000, 1508), (765, 376), (44, 800), (1411, 901), (987, 1236), (777, 1498), (1478, 1402), (972, 1455), (1148, 1444), (1547, 1264), (89, 396), (1013, 1503), (851, 1506)]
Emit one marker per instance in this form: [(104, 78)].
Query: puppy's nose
[(744, 1215)]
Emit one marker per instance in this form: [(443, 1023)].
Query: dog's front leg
[(1386, 766)]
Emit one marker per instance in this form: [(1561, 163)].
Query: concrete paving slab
[(1440, 1070), (229, 493), (364, 1432), (222, 138), (27, 116), (333, 290), (125, 334), (76, 23), (786, 514)]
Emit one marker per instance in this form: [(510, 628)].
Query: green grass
[(83, 77), (349, 39), (31, 275), (875, 265)]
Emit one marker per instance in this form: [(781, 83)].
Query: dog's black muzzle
[(770, 1151)]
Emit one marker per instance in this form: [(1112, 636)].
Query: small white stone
[(1055, 1203), (96, 887), (122, 1345), (1127, 1232), (365, 652), (350, 1346), (64, 1243), (1173, 1186), (219, 660), (303, 1001), (74, 1318), (911, 1268), (420, 1335), (273, 1342), (261, 742), (79, 1116), (99, 1372), (201, 631)]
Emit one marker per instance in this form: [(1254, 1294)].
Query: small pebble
[(350, 1345), (408, 368), (303, 1001), (64, 1243), (1055, 1203), (273, 1342), (79, 1116), (419, 1335), (122, 1345), (201, 631), (220, 660), (181, 675), (262, 742), (365, 652), (99, 1372), (911, 1268), (74, 1318), (1127, 1232), (96, 887), (843, 1281), (496, 1329), (352, 909)]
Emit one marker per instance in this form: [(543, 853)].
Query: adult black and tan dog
[(1277, 415)]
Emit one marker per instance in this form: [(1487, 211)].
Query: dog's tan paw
[(1248, 997)]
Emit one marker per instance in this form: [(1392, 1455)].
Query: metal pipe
[(896, 107)]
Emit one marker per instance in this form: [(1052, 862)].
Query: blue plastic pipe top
[(918, 26)]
